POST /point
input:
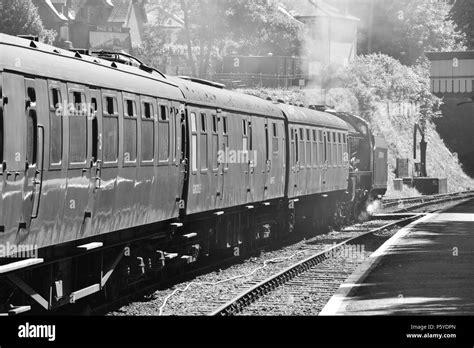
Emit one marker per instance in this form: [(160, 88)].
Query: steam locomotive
[(113, 173)]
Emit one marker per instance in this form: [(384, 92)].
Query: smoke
[(371, 207)]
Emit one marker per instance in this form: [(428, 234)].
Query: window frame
[(203, 133), (143, 121), (167, 120), (71, 99), (194, 155), (129, 98), (53, 85), (106, 95)]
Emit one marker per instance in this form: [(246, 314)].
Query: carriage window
[(344, 139), (297, 157), (194, 142), (130, 132), (148, 133), (77, 96), (325, 147), (110, 130), (110, 103), (245, 129), (302, 147), (164, 134), (214, 123), (225, 125), (31, 94), (314, 135), (203, 145), (56, 127), (308, 157), (334, 137), (78, 131), (31, 138), (77, 139), (193, 123), (147, 110), (95, 132), (94, 106), (164, 113), (275, 145), (339, 138), (131, 107), (56, 98), (203, 123)]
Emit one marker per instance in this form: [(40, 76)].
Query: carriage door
[(246, 156), (325, 165), (219, 145), (77, 212), (181, 142), (95, 136), (268, 159), (34, 155)]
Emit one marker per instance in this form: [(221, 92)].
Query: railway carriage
[(113, 173)]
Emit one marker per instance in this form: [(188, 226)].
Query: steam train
[(113, 173)]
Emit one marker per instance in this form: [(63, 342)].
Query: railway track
[(398, 203), (321, 280), (206, 293), (292, 290)]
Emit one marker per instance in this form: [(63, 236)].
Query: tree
[(377, 77), (462, 13), (405, 29), (20, 17), (213, 28)]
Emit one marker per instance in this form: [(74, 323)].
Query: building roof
[(120, 12), (48, 5), (316, 8)]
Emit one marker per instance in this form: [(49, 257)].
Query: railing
[(260, 80)]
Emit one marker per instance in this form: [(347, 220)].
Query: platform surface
[(427, 271)]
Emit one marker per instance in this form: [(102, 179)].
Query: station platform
[(427, 268)]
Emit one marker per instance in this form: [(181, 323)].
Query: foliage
[(20, 17), (462, 13), (377, 77), (405, 29), (213, 28)]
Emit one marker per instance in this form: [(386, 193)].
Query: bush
[(377, 77)]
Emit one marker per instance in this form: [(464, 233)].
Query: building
[(96, 24), (330, 33)]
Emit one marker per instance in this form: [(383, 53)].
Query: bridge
[(452, 78)]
